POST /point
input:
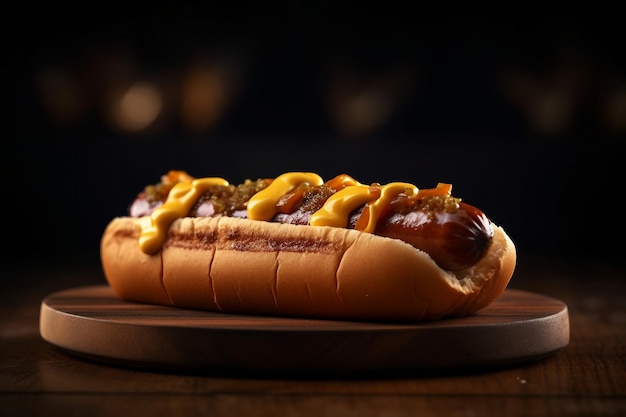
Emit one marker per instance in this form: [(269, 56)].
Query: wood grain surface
[(587, 378), (90, 321)]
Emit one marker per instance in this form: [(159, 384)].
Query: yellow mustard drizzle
[(180, 200), (338, 207), (262, 205), (374, 209), (342, 181)]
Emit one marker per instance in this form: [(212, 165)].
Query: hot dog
[(297, 245)]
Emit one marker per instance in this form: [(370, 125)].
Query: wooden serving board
[(92, 323)]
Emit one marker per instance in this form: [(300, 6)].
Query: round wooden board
[(91, 322)]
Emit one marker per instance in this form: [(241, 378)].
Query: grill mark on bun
[(238, 239)]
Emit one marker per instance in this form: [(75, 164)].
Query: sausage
[(455, 236)]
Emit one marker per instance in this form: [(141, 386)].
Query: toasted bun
[(255, 267)]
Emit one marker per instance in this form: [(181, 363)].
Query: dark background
[(522, 109)]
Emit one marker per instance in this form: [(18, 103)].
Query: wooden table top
[(588, 377)]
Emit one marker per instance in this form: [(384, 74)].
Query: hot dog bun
[(246, 266)]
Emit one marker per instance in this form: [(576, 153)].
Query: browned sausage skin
[(456, 235)]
